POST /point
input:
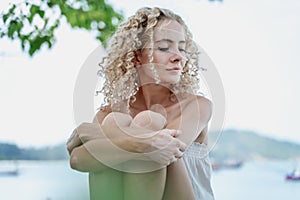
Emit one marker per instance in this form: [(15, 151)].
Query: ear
[(137, 58)]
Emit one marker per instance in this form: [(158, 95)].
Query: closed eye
[(163, 49), (182, 50)]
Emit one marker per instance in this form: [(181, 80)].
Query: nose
[(176, 56)]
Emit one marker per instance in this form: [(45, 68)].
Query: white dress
[(199, 168)]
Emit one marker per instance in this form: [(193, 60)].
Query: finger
[(178, 154), (175, 133), (72, 135), (174, 159), (181, 146), (73, 142), (70, 148)]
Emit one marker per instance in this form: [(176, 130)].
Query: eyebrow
[(170, 41)]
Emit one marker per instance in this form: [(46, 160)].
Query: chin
[(171, 81)]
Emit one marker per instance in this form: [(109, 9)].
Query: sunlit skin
[(180, 114), (134, 184), (168, 55)]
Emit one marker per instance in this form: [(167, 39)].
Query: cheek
[(160, 57), (146, 71), (144, 60)]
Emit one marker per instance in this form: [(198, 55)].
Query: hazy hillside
[(13, 152), (238, 144), (232, 144)]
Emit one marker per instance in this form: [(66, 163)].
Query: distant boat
[(9, 169), (229, 164), (294, 175)]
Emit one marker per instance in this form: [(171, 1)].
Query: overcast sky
[(253, 44)]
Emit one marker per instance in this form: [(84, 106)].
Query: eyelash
[(163, 49), (183, 50), (166, 49)]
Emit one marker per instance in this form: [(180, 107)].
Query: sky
[(254, 45)]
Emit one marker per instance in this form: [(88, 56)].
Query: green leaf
[(12, 9), (11, 29), (99, 11), (31, 50), (30, 18), (5, 17), (41, 13), (19, 27), (34, 9)]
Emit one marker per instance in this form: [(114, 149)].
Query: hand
[(82, 134), (73, 141), (166, 148)]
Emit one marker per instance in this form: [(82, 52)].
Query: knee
[(117, 119), (75, 162), (149, 119)]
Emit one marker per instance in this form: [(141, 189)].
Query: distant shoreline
[(232, 144)]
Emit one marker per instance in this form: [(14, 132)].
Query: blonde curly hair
[(120, 75)]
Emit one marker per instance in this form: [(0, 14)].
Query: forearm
[(94, 146), (93, 131), (109, 147), (98, 155)]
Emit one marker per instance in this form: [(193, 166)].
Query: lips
[(174, 69)]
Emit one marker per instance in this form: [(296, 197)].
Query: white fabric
[(199, 168)]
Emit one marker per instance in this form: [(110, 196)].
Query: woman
[(151, 117)]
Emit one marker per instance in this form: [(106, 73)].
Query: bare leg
[(146, 186), (139, 185), (106, 185), (178, 184), (130, 186)]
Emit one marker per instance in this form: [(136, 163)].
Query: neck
[(152, 94)]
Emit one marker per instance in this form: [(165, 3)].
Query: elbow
[(69, 149), (81, 160), (75, 161)]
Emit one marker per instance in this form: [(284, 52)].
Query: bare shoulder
[(205, 107), (202, 105)]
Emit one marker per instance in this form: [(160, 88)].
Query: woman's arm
[(93, 146), (195, 115), (194, 126)]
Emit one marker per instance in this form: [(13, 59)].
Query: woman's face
[(168, 54)]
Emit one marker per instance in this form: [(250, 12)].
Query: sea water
[(263, 180), (55, 180), (44, 180)]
